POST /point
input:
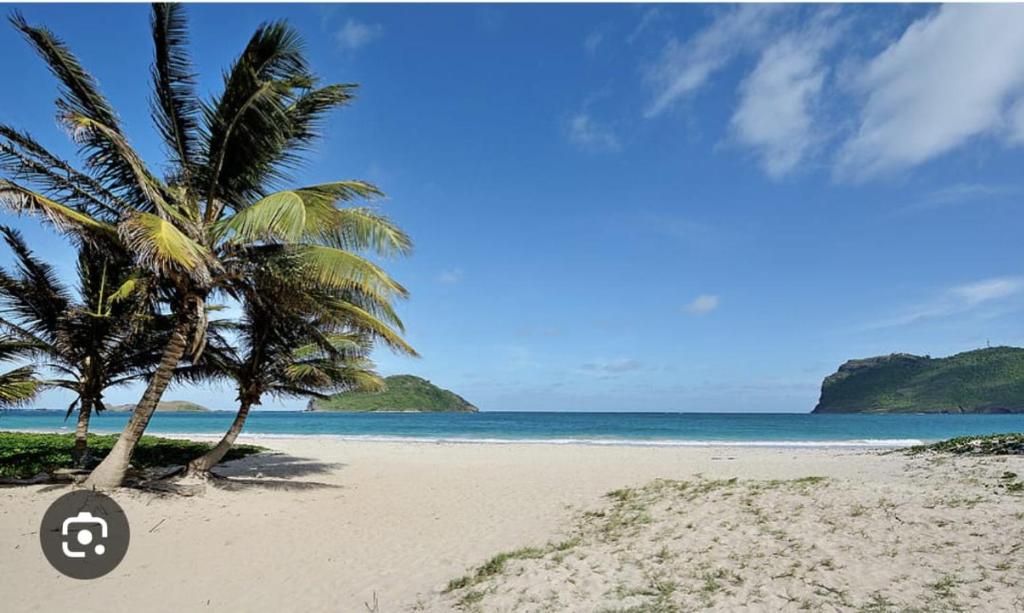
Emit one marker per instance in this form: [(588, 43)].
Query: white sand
[(327, 523)]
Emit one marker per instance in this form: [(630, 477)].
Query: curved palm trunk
[(81, 451), (110, 472), (202, 465)]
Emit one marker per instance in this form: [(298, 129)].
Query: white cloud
[(613, 367), (775, 115), (958, 300), (1016, 121), (977, 293), (593, 41), (702, 305), (685, 67), (646, 19), (450, 277), (966, 192), (953, 75), (355, 34), (589, 135)]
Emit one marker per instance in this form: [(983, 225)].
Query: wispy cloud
[(954, 75), (647, 18), (957, 300), (353, 34), (589, 135), (962, 193), (593, 40), (450, 277), (951, 77), (702, 305), (613, 367), (775, 116), (684, 67)]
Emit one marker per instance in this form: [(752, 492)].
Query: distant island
[(403, 393), (166, 406), (981, 381)]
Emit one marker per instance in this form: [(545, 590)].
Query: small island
[(166, 406), (403, 393), (987, 380)]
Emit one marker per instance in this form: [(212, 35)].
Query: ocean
[(648, 429)]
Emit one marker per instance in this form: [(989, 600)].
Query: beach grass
[(798, 543), (24, 454), (1011, 443)]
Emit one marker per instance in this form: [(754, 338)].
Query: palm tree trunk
[(110, 472), (201, 466), (81, 450)]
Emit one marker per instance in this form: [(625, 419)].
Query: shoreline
[(866, 444)]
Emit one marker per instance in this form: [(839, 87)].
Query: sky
[(637, 207)]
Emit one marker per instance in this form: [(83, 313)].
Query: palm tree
[(17, 386), (219, 208), (290, 345), (100, 341)]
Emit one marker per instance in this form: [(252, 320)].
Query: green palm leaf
[(161, 247), (345, 270), (65, 219)]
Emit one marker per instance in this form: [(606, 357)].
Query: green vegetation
[(992, 444), (497, 564), (981, 381), (23, 455), (402, 393), (169, 406)]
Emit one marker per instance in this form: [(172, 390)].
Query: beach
[(321, 523)]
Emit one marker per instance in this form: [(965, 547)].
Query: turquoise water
[(669, 429)]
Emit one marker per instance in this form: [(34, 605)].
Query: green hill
[(166, 406), (403, 393), (981, 381)]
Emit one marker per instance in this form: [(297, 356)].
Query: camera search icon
[(84, 534)]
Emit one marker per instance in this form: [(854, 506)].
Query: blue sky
[(629, 207)]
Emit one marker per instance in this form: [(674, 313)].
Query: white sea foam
[(854, 443), (600, 442)]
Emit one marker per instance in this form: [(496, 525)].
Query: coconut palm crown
[(196, 229)]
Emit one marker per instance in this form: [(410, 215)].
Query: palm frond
[(358, 319), (176, 106), (18, 386), (311, 214), (247, 125), (64, 218), (25, 159), (345, 270), (36, 296), (80, 95), (160, 246), (130, 166), (307, 112)]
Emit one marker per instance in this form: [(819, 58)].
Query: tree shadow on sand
[(275, 471)]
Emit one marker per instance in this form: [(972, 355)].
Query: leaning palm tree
[(219, 207), (95, 342), (19, 385), (288, 345)]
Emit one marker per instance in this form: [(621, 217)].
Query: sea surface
[(650, 429)]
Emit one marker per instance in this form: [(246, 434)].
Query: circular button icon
[(84, 534)]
